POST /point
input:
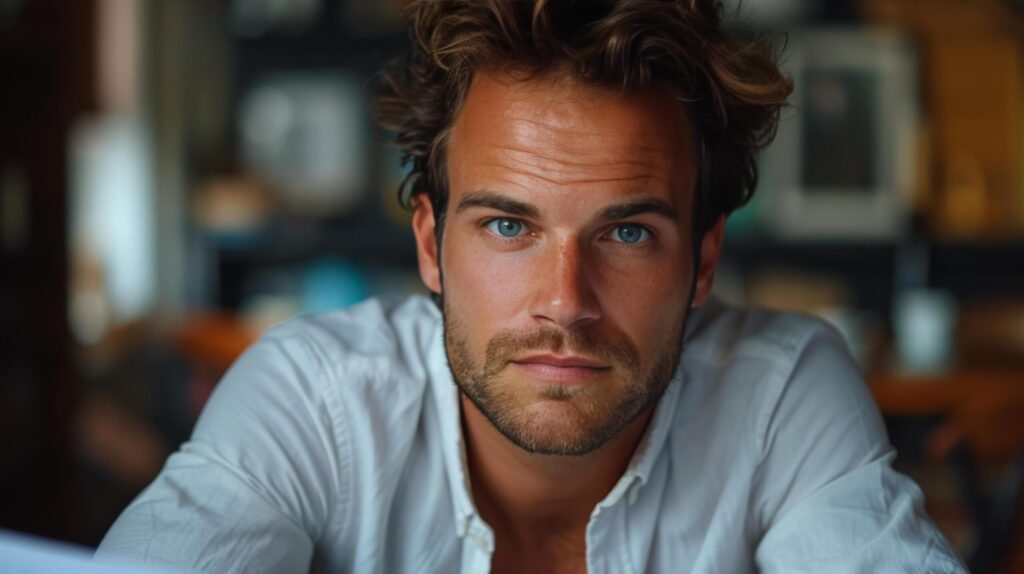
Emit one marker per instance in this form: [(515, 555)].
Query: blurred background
[(176, 175)]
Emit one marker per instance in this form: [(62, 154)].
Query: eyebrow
[(626, 210), (492, 200)]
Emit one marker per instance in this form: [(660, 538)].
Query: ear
[(710, 250), (423, 226)]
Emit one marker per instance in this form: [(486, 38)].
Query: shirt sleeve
[(828, 498), (253, 487)]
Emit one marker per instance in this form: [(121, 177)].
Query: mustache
[(507, 346)]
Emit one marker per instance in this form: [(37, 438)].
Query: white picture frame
[(843, 163)]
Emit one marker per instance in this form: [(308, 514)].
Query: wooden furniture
[(213, 340), (47, 67), (921, 395), (972, 87), (982, 425)]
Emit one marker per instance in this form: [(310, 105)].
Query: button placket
[(620, 533), (483, 543), (596, 536)]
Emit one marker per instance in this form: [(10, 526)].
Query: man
[(572, 400)]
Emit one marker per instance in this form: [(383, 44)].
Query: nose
[(564, 293)]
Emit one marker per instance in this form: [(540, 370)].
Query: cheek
[(649, 304), (488, 287)]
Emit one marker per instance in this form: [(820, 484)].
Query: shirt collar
[(649, 450), (453, 448)]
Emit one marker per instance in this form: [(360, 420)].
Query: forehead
[(554, 132)]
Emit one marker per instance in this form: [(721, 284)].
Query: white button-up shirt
[(334, 444)]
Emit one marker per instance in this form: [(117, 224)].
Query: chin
[(558, 426)]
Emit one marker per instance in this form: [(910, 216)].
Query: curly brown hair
[(732, 89)]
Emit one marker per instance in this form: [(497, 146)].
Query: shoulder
[(374, 339), (758, 345), (378, 349), (753, 350), (759, 365), (367, 364), (324, 398), (352, 370), (721, 334)]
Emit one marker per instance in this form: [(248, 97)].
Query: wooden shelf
[(213, 340), (926, 395)]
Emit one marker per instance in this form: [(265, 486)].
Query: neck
[(533, 496)]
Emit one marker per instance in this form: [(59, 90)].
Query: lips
[(564, 361), (561, 368)]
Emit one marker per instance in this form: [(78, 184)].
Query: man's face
[(566, 258)]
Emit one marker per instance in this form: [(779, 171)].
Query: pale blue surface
[(22, 554)]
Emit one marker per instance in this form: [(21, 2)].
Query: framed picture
[(842, 165), (306, 134)]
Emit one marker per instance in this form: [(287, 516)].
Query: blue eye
[(506, 227), (630, 233)]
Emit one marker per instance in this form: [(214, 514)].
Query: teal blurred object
[(748, 221), (332, 283), (924, 321)]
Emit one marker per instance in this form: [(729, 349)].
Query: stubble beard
[(590, 420)]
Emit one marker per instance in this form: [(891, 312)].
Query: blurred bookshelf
[(316, 53), (312, 52), (971, 270), (273, 193)]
